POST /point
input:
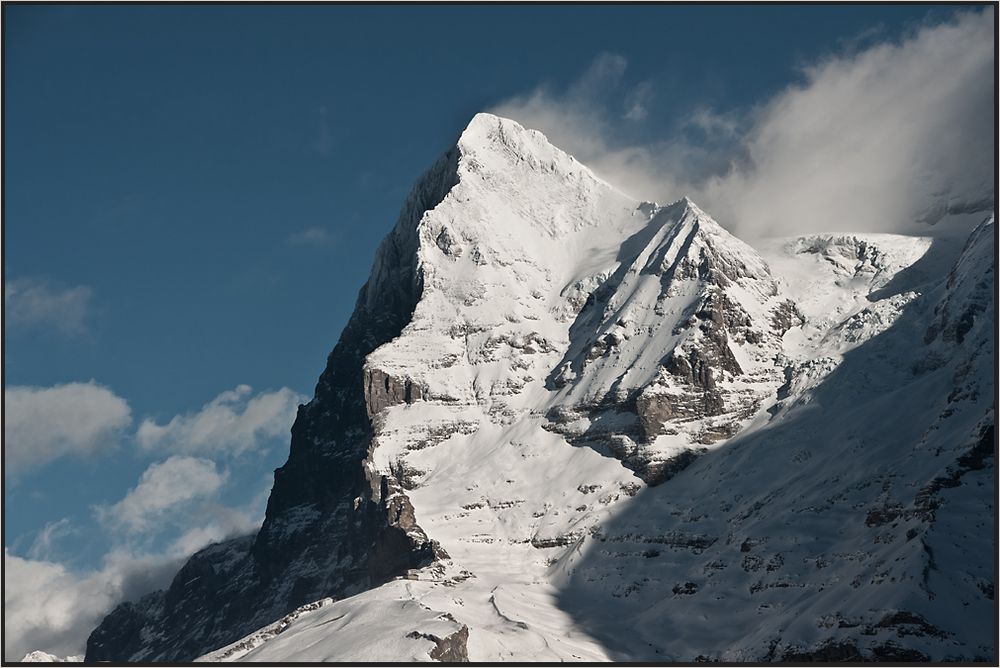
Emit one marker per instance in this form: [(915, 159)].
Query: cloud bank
[(52, 608), (46, 605), (172, 511), (889, 138), (233, 422), (43, 424)]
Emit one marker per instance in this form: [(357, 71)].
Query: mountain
[(565, 425), (45, 657)]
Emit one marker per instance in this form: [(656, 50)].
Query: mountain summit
[(560, 421)]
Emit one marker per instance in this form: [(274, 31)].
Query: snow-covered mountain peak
[(495, 149), (487, 133), (707, 249), (561, 420)]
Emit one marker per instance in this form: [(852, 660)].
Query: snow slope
[(634, 437), (855, 524), (387, 624)]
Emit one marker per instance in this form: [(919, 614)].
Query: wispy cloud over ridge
[(44, 545), (885, 138)]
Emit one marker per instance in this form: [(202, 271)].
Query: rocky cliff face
[(561, 420)]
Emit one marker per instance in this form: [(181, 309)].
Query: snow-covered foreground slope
[(385, 624), (598, 429)]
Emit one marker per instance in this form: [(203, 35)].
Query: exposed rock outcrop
[(453, 648), (383, 390)]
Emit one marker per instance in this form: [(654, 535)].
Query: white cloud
[(577, 120), (44, 545), (232, 422), (171, 510), (311, 236), (711, 122), (637, 102), (45, 606), (584, 121), (162, 487), (35, 303), (224, 523), (221, 522), (50, 608), (872, 141), (42, 424), (869, 141)]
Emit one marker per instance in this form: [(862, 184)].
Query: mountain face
[(565, 425)]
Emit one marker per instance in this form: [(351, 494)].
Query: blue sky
[(193, 196)]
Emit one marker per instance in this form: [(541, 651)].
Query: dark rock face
[(332, 526), (786, 316), (696, 369), (659, 471), (450, 649), (833, 651), (382, 391), (828, 652), (453, 648)]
